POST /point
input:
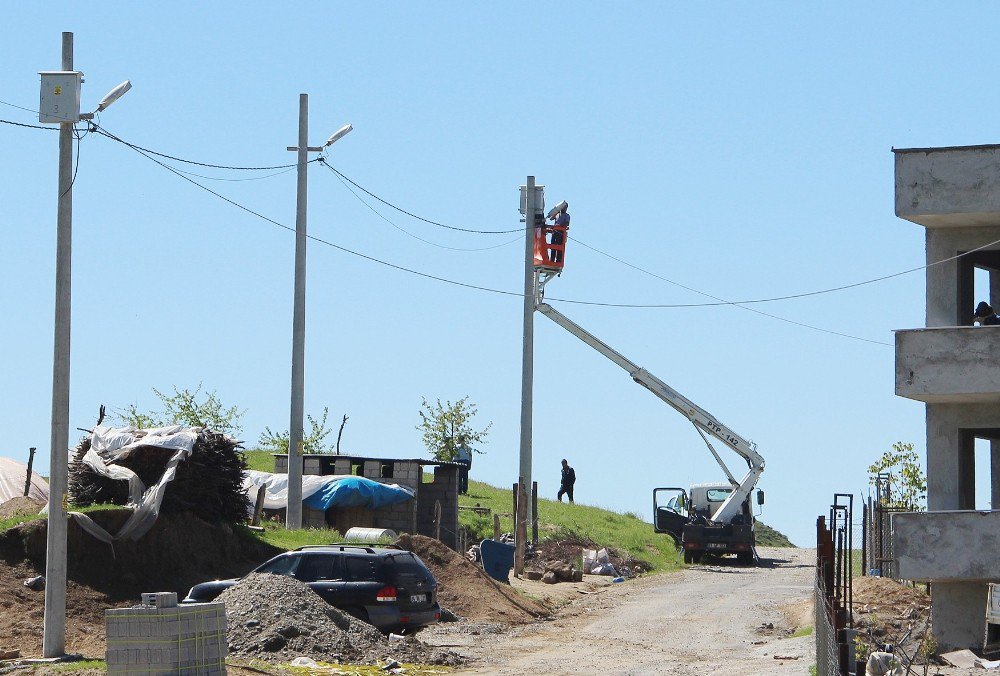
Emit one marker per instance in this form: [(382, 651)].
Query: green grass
[(80, 665), (262, 461), (804, 631), (6, 524), (556, 520)]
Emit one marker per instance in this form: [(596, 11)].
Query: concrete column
[(995, 475), (943, 444), (958, 614)]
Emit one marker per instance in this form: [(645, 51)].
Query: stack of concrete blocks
[(164, 638), (444, 489), (953, 367)]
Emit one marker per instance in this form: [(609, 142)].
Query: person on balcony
[(985, 315)]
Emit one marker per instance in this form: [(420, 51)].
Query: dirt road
[(717, 620)]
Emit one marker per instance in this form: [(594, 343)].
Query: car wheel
[(358, 614), (687, 556), (696, 556)]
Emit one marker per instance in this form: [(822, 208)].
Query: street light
[(293, 511), (339, 134)]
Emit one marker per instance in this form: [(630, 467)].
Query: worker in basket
[(560, 225)]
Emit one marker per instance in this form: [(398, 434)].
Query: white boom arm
[(701, 419)]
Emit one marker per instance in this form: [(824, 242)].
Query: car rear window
[(405, 564)]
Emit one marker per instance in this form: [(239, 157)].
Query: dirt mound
[(20, 506), (180, 551), (886, 611), (278, 618), (465, 589)]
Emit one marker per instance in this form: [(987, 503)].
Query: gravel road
[(709, 619)]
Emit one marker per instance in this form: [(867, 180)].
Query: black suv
[(390, 589)]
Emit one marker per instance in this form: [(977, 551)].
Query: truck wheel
[(687, 556), (746, 558)]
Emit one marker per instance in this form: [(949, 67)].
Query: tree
[(311, 443), (447, 427), (184, 408), (907, 481)]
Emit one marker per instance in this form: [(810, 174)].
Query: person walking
[(566, 482)]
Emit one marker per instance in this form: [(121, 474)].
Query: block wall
[(443, 489)]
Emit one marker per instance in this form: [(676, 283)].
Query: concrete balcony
[(947, 546), (949, 365), (948, 187)]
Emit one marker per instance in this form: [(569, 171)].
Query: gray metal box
[(60, 96)]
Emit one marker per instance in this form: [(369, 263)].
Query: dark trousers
[(557, 256), (568, 490), (463, 477)]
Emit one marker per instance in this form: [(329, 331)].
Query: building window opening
[(386, 469)]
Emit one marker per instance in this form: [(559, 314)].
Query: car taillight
[(386, 594)]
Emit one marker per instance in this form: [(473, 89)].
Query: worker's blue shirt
[(562, 219)]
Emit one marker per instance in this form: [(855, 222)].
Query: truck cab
[(687, 516)]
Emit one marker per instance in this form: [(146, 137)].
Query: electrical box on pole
[(60, 96)]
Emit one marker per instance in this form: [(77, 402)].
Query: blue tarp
[(356, 491)]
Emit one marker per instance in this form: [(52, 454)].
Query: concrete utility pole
[(54, 631), (293, 512), (528, 337), (293, 515)]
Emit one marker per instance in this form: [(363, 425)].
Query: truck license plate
[(418, 598), (716, 545)]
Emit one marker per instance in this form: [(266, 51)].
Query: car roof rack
[(337, 545)]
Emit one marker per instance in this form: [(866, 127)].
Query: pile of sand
[(20, 506), (465, 589)]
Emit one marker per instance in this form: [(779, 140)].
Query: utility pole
[(293, 512), (54, 632), (531, 206)]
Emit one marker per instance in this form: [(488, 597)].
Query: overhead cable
[(436, 277), (405, 231), (420, 218)]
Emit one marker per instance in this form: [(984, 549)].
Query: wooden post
[(437, 519), (496, 527), (534, 512), (31, 460), (513, 512), (258, 508)]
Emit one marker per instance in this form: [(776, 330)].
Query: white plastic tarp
[(12, 476), (109, 444)]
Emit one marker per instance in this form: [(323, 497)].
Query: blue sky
[(743, 151)]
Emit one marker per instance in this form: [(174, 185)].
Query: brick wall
[(443, 489)]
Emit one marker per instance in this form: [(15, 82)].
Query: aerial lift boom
[(701, 419)]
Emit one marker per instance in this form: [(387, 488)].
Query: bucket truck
[(712, 518)]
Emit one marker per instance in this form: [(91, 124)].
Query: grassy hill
[(627, 532)]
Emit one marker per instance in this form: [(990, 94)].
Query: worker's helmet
[(983, 309)]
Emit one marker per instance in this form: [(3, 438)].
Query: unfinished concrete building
[(954, 368), (439, 488)]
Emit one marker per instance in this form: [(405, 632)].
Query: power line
[(134, 146), (419, 218), (407, 232), (29, 126), (436, 277)]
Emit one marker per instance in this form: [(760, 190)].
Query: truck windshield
[(718, 494)]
